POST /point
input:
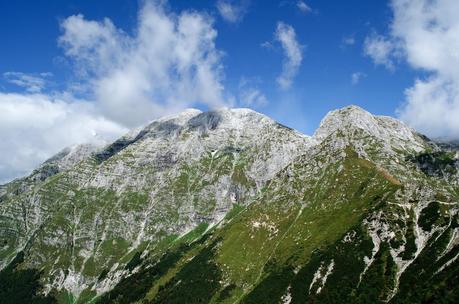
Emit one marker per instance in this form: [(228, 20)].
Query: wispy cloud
[(347, 41), (293, 54), (303, 7), (356, 77), (232, 11), (249, 93), (32, 83)]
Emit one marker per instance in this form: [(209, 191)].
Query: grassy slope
[(278, 242)]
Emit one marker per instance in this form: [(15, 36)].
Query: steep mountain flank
[(229, 206)]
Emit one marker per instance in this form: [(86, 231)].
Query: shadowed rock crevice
[(154, 130), (205, 121), (118, 146)]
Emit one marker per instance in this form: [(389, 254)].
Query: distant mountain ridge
[(229, 206)]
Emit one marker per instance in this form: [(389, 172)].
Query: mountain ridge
[(195, 188), (185, 115)]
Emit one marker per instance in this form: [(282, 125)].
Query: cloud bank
[(36, 126)]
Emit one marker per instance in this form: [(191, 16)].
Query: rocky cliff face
[(229, 206)]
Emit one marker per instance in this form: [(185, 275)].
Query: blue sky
[(323, 82), (73, 61)]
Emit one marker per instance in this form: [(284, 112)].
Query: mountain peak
[(194, 118), (351, 119), (180, 117), (348, 117), (226, 118)]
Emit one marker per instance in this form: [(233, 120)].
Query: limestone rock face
[(229, 206)]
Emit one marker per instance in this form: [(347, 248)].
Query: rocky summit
[(229, 206)]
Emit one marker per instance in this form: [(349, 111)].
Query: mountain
[(229, 206)]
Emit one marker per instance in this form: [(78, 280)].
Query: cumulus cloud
[(303, 7), (36, 126), (426, 34), (293, 54), (232, 11), (356, 77), (169, 63), (432, 107), (32, 83)]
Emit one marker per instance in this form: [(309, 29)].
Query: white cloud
[(356, 77), (428, 31), (303, 7), (432, 107), (426, 34), (32, 83), (170, 63), (380, 49), (232, 12), (36, 126), (293, 53), (94, 46)]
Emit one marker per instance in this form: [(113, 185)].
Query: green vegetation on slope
[(21, 285), (354, 220)]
